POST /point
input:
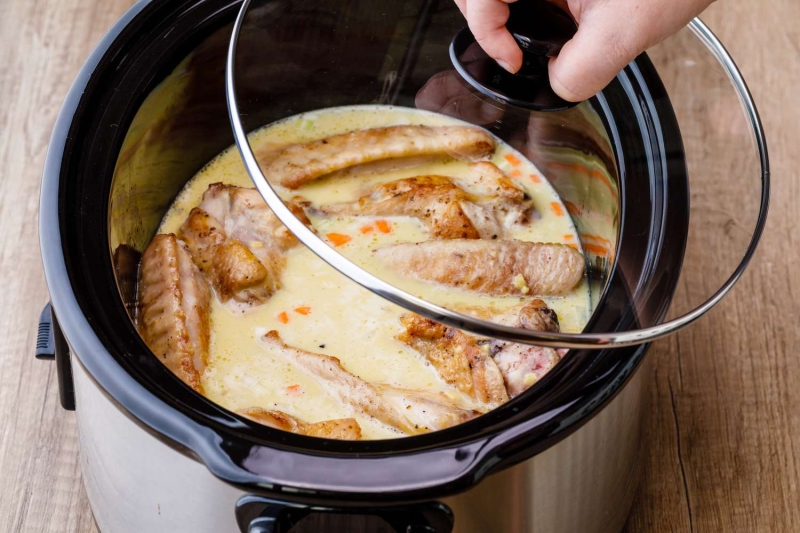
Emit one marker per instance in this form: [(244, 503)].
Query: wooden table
[(724, 421)]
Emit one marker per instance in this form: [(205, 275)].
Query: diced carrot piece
[(563, 166), (573, 209), (602, 178), (294, 389), (593, 174), (535, 178), (515, 173), (514, 160), (383, 226), (303, 310), (283, 317), (556, 207), (596, 249), (598, 238), (339, 239), (366, 229), (568, 237)]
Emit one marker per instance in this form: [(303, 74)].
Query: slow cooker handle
[(51, 345), (257, 514)]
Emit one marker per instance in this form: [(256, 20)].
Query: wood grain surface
[(724, 421)]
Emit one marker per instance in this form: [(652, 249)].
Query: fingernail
[(506, 66)]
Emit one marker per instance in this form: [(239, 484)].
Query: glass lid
[(389, 144)]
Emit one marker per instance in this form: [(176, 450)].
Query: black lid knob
[(541, 29)]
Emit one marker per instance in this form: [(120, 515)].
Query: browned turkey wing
[(519, 365), (233, 270), (173, 309), (340, 429), (298, 164), (238, 243), (490, 267), (447, 206), (435, 200), (410, 411), (510, 205), (523, 365), (459, 358)]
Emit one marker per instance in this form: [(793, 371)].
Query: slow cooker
[(149, 109)]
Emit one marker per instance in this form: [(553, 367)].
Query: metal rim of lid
[(482, 327)]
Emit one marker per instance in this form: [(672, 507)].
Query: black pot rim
[(446, 468)]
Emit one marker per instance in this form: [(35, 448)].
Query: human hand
[(611, 33)]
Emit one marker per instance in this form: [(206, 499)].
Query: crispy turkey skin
[(339, 429), (238, 243), (490, 267), (296, 165), (174, 301)]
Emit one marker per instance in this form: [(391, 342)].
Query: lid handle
[(541, 29)]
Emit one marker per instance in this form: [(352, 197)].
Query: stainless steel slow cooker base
[(584, 484), (124, 470)]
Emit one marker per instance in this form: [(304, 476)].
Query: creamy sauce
[(322, 311)]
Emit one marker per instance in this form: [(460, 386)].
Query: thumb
[(601, 48)]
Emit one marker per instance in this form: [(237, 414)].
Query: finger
[(487, 20), (603, 45), (462, 6), (472, 53), (606, 42)]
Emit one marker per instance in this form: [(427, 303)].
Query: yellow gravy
[(322, 311)]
